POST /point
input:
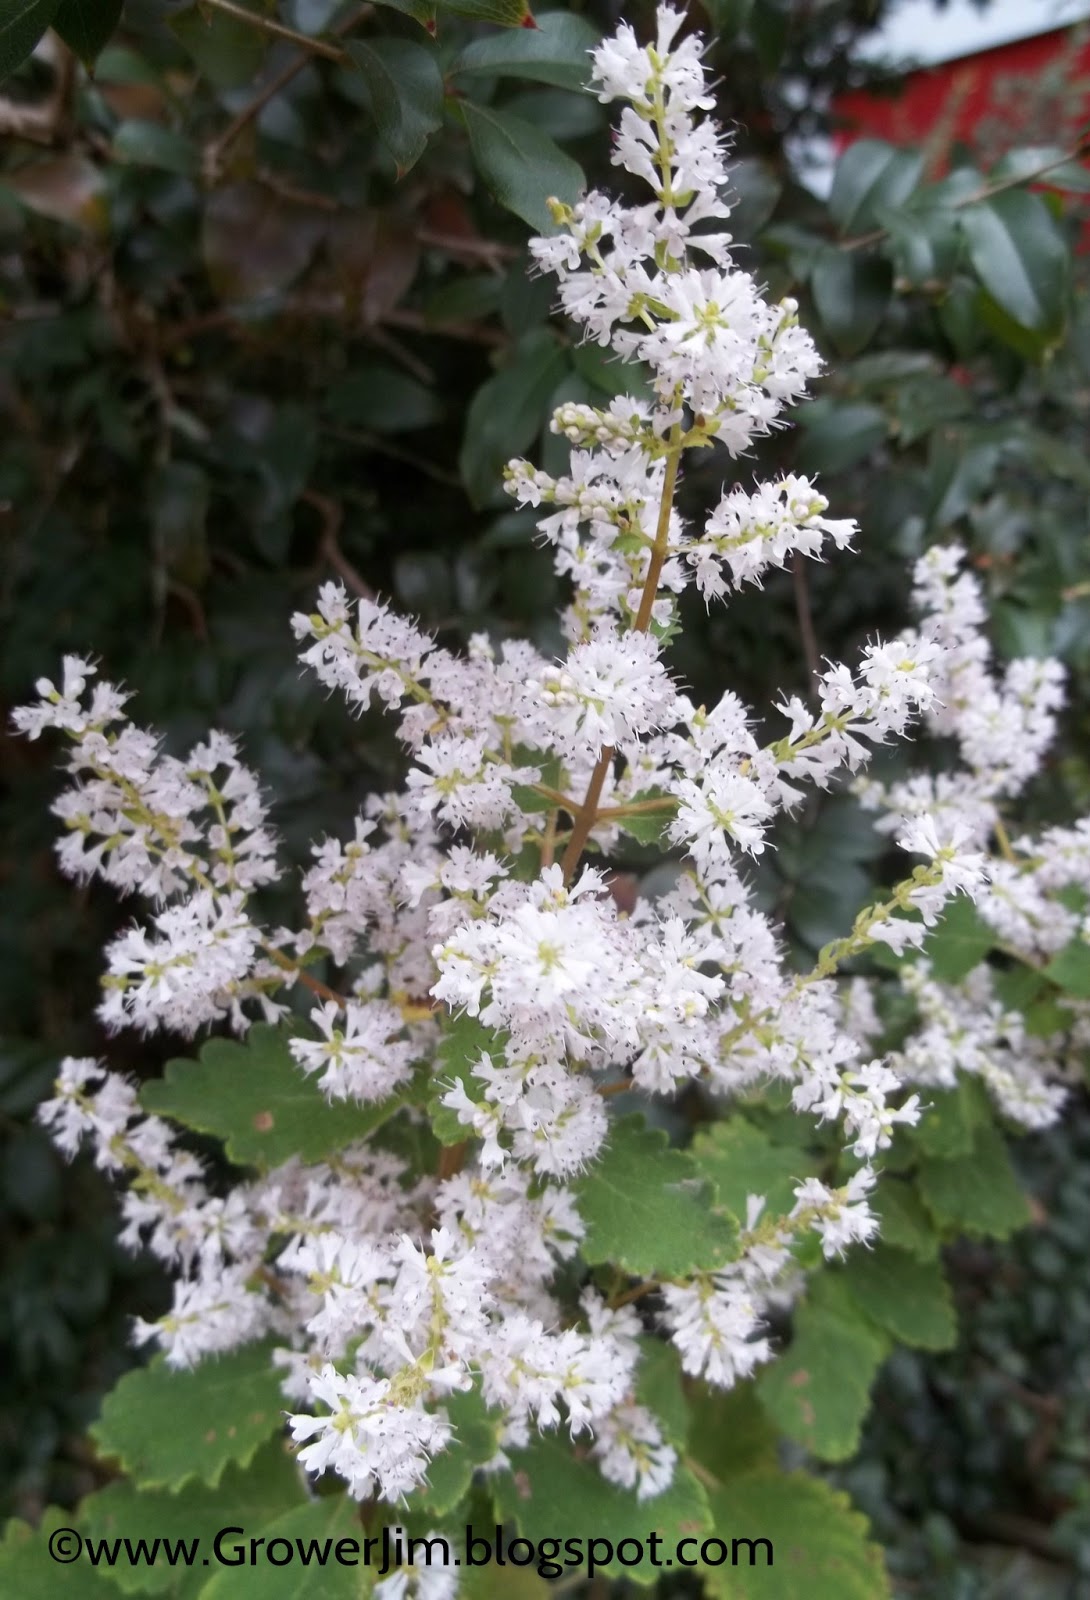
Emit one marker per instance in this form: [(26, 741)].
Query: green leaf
[(923, 245), (21, 26), (28, 1570), (960, 942), (836, 437), (1070, 969), (228, 52), (648, 1209), (818, 1391), (978, 1192), (740, 1160), (406, 91), (1025, 164), (268, 1487), (522, 167), (947, 1126), (422, 11), (555, 52), (166, 1427), (476, 1440), (86, 25), (505, 414), (383, 399), (911, 1299), (851, 293), (550, 1492), (729, 1431), (649, 827), (256, 1098), (325, 1528), (502, 13), (660, 1387), (463, 1043), (902, 1219), (1019, 255), (819, 1541), (149, 144), (869, 175)]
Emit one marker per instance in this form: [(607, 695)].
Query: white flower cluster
[(388, 1290), (1030, 889)]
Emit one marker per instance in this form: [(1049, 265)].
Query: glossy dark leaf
[(871, 174), (851, 292), (86, 25), (1018, 253), (521, 166), (21, 26), (406, 91), (556, 52)]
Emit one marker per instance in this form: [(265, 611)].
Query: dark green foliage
[(237, 366)]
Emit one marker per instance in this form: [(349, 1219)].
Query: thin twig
[(254, 19), (329, 547), (804, 615), (253, 109), (988, 192)]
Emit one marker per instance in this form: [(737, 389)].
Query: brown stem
[(254, 19), (988, 192), (588, 812), (331, 515), (804, 615), (315, 985), (452, 1158)]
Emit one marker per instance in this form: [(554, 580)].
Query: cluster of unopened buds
[(389, 1289)]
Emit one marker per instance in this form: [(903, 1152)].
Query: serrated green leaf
[(550, 1491), (977, 1192), (167, 1427), (1070, 969), (1019, 255), (476, 1440), (819, 1541), (259, 1101), (818, 1391), (902, 1219), (960, 942), (556, 52), (86, 25), (659, 1386), (521, 166), (910, 1298), (869, 175), (740, 1160), (946, 1127), (649, 827), (21, 26), (648, 1209), (463, 1043), (250, 1496), (28, 1571), (729, 1431), (321, 1529), (406, 91)]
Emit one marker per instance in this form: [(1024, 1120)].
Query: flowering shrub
[(462, 1246)]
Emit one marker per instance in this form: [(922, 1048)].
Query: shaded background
[(241, 354)]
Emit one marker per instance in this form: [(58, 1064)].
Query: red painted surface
[(958, 94)]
